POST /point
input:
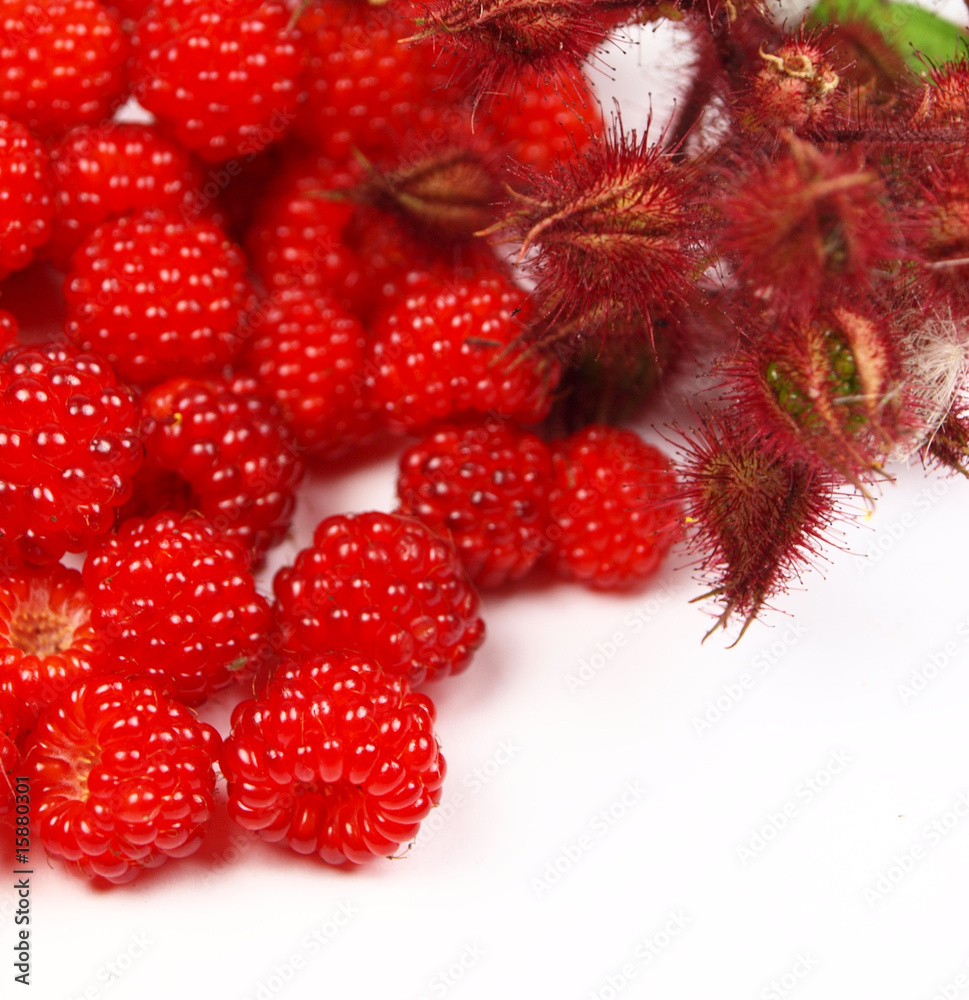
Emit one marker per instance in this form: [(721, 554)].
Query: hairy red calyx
[(449, 194), (945, 97), (617, 226), (502, 38), (758, 518), (828, 391), (807, 219), (794, 88)]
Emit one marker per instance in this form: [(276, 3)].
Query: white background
[(672, 820)]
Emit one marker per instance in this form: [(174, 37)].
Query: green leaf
[(907, 28)]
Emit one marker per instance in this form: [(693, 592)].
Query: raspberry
[(297, 234), (449, 349), (365, 89), (175, 600), (157, 296), (310, 354), (9, 753), (122, 778), (336, 758), (540, 122), (613, 504), (485, 486), (223, 78), (26, 197), (385, 586), (227, 442), (63, 63), (68, 450), (106, 171), (46, 639)]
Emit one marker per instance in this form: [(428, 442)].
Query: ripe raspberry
[(46, 639), (453, 348), (26, 197), (366, 90), (229, 444), (175, 600), (484, 486), (335, 757), (539, 122), (223, 78), (105, 171), (309, 353), (68, 450), (122, 777), (613, 503), (63, 63), (157, 296), (297, 236), (385, 586), (9, 753)]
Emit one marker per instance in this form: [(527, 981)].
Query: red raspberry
[(297, 236), (449, 349), (365, 90), (10, 732), (222, 77), (541, 121), (613, 503), (310, 354), (68, 450), (335, 757), (229, 444), (485, 486), (63, 63), (385, 586), (122, 778), (157, 296), (46, 639), (105, 171), (26, 196), (175, 600)]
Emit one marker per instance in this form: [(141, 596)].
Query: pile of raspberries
[(248, 291)]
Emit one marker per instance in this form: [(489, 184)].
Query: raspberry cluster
[(292, 258)]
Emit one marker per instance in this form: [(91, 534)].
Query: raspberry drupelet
[(334, 757), (385, 586), (122, 778)]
